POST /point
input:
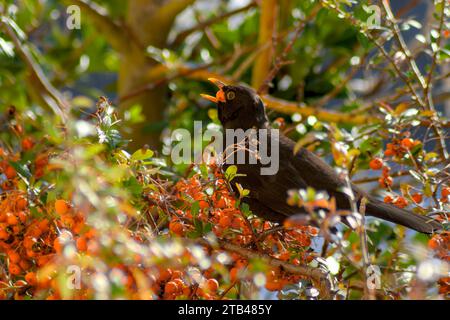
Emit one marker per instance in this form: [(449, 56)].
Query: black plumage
[(240, 107)]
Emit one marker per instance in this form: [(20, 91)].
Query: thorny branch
[(326, 285)]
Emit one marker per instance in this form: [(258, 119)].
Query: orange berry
[(225, 221), (186, 291), (171, 287), (303, 240), (28, 242), (14, 269), (42, 260), (234, 274), (27, 144), (407, 143), (11, 219), (61, 207), (41, 160), (212, 285), (400, 202), (57, 245), (3, 234), (30, 277), (22, 216), (176, 227), (435, 242), (220, 203), (25, 264), (68, 221), (82, 244), (21, 203), (10, 172), (43, 225), (15, 229), (284, 256), (177, 274), (376, 163), (165, 274), (90, 234), (237, 223), (417, 197), (385, 182), (31, 254), (271, 275), (180, 283), (14, 257), (445, 192), (388, 199), (203, 204), (389, 152), (274, 285)]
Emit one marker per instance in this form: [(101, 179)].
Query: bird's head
[(239, 107)]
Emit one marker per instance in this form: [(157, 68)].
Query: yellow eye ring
[(231, 95)]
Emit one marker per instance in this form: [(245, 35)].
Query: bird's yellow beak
[(220, 95)]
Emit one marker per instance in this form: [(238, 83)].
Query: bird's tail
[(406, 218)]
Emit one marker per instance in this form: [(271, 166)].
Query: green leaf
[(213, 114), (134, 114), (242, 192), (21, 169), (230, 173), (195, 209), (133, 186), (35, 213), (427, 190), (245, 209), (431, 155), (93, 150), (207, 228), (142, 154), (204, 170)]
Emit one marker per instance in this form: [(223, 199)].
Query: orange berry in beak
[(220, 95)]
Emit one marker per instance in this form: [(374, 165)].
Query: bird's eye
[(230, 95)]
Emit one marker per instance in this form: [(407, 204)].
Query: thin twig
[(326, 286), (337, 89), (402, 44), (202, 25)]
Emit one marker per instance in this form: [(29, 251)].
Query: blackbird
[(240, 107)]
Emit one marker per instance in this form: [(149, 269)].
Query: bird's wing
[(313, 170), (272, 190), (318, 174)]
